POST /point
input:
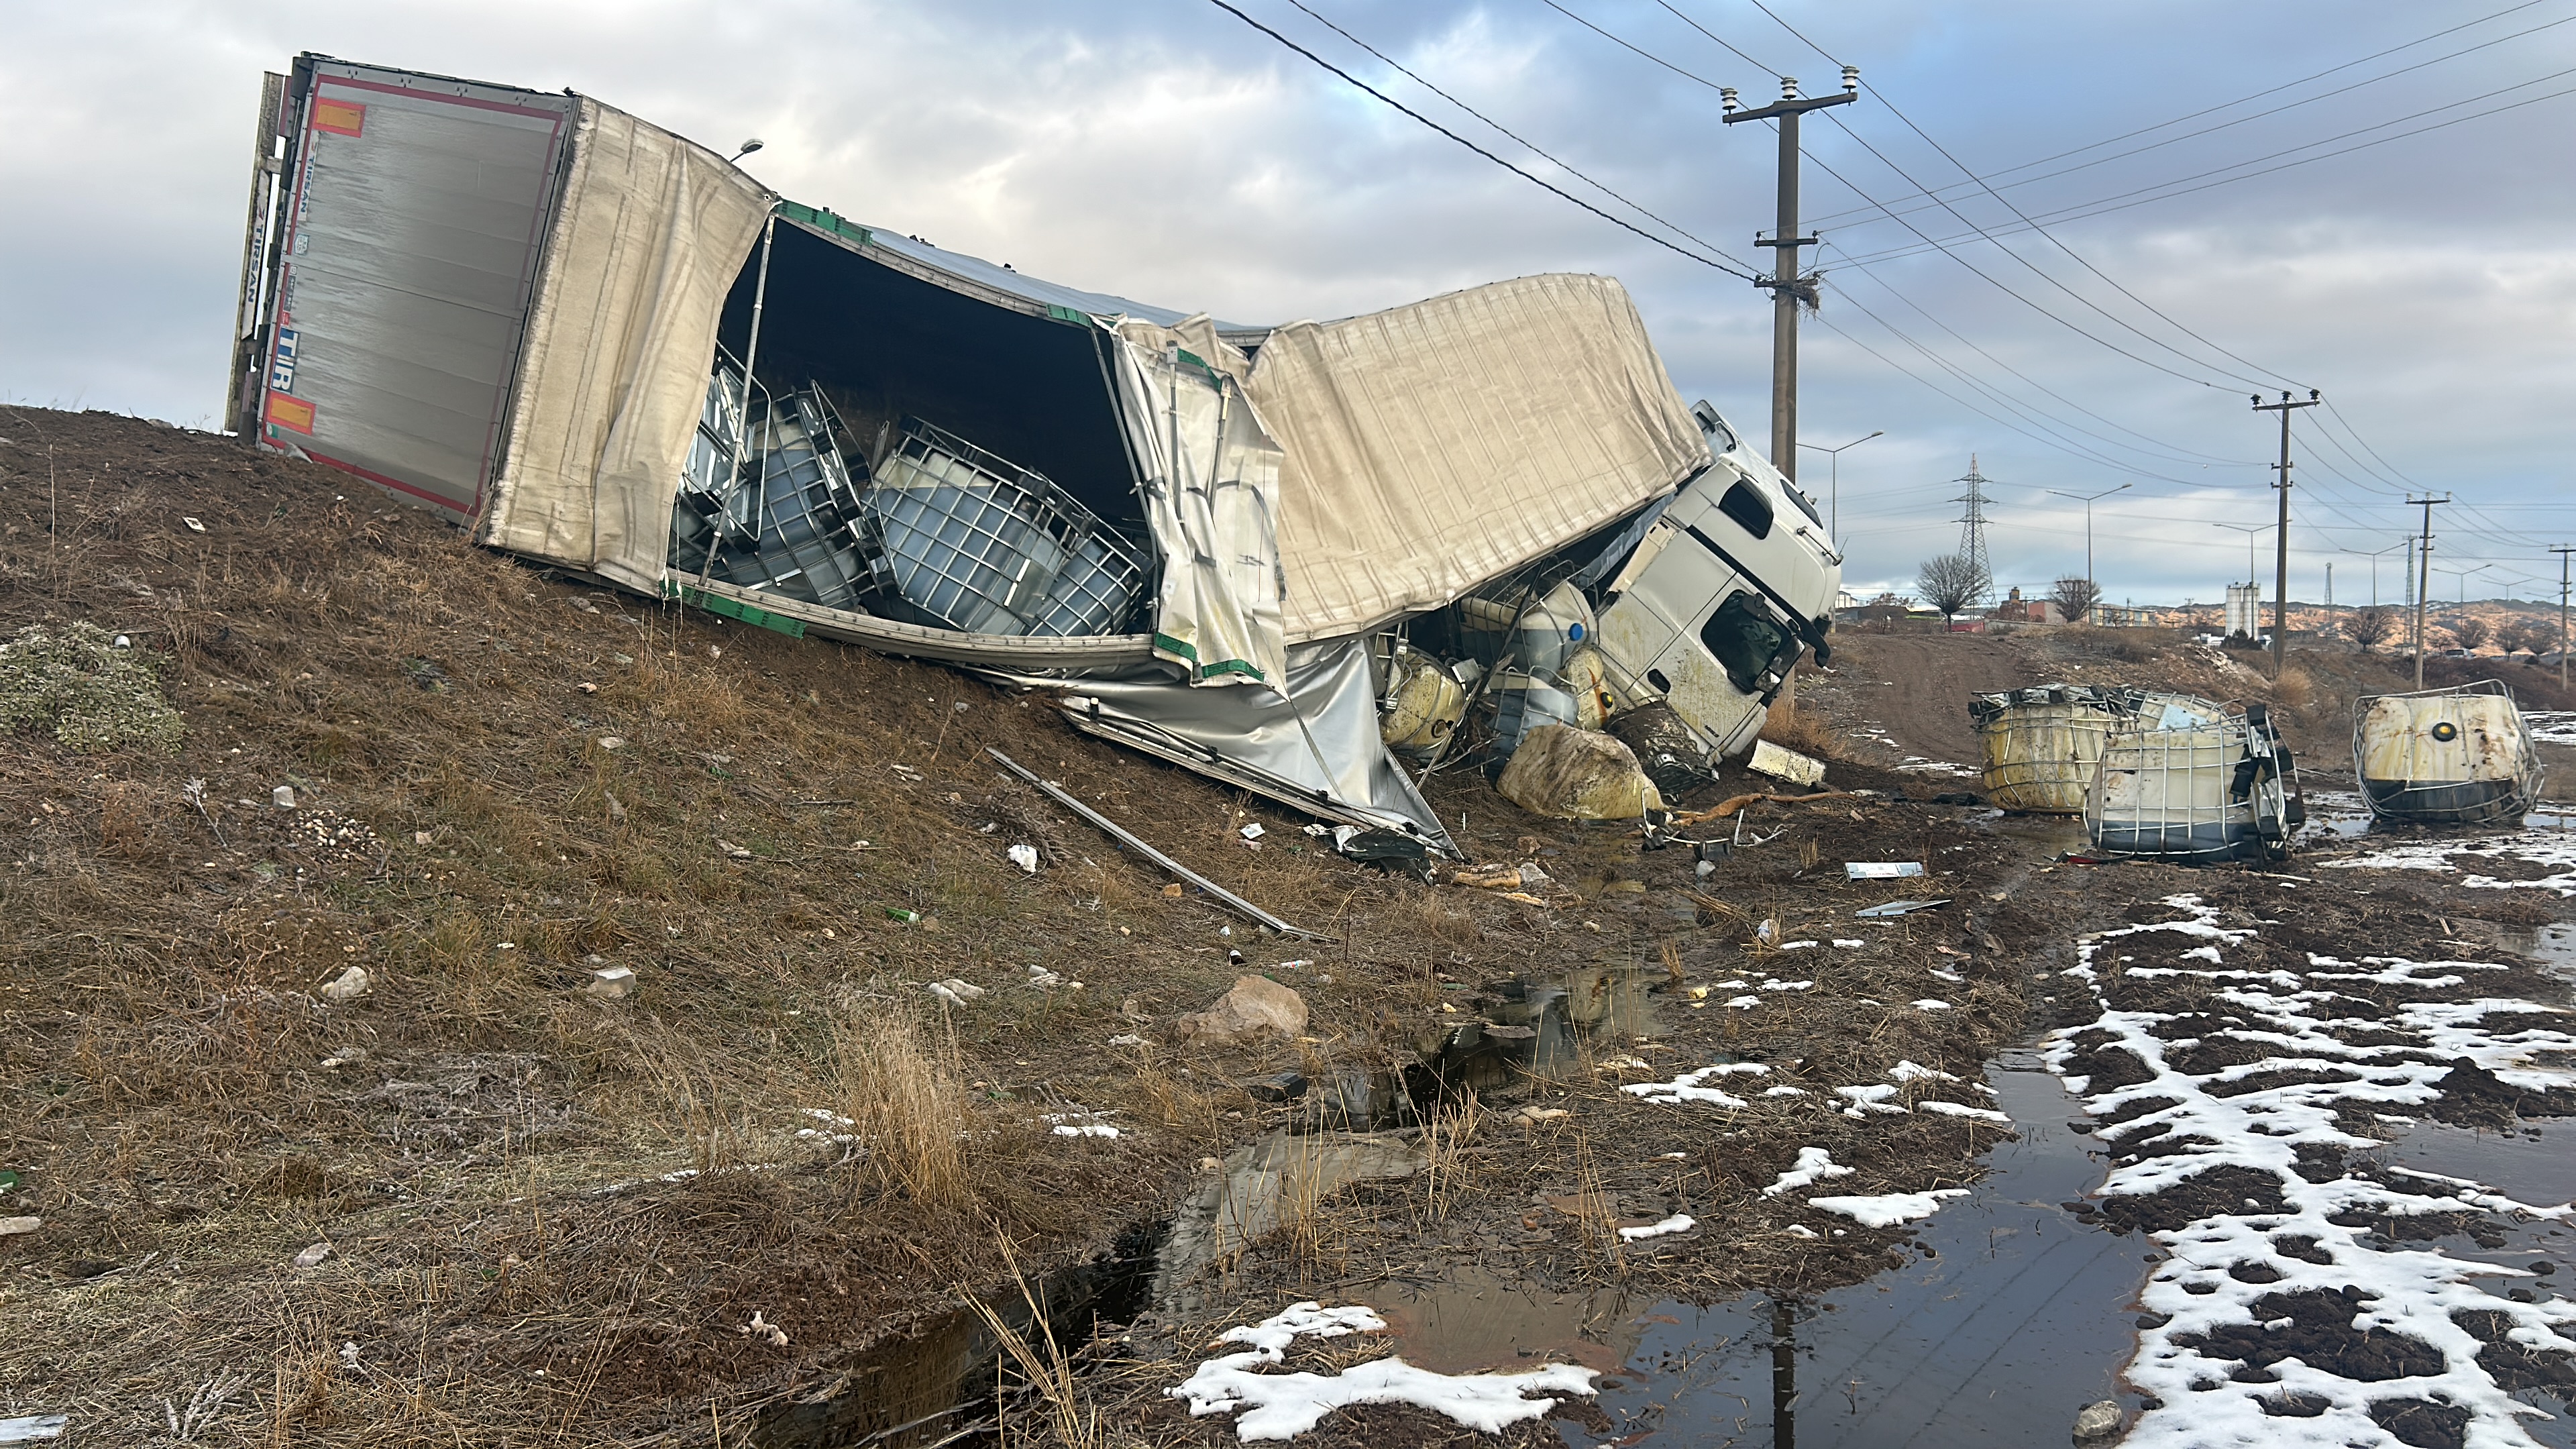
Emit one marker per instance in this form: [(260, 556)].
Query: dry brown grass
[(1805, 730), (905, 1105)]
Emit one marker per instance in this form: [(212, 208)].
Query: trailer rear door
[(416, 222)]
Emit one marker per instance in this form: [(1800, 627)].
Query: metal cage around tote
[(2209, 790), (2457, 756)]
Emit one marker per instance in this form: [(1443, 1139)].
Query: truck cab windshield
[(1743, 638)]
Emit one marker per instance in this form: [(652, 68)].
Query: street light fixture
[(749, 146), (2088, 501), (2373, 555), (1834, 469)]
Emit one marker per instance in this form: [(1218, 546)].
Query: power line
[(1934, 193), (1534, 147), (1619, 222), (2102, 206)]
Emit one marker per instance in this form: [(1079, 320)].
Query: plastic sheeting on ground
[(1317, 749)]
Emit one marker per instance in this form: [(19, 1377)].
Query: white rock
[(610, 983), (12, 1227), (348, 986), (283, 797)]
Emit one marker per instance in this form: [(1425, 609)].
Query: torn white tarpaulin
[(1317, 749), (1208, 476)]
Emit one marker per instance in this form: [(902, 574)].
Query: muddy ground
[(551, 1213)]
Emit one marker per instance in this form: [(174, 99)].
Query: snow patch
[(1687, 1088), (1813, 1165), (1888, 1209), (1283, 1406), (2206, 1121), (1677, 1223)]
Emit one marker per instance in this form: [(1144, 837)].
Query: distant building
[(2245, 610), (2125, 616), (2017, 610)]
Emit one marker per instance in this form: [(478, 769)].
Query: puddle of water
[(936, 1386), (1477, 1323), (2020, 1318)]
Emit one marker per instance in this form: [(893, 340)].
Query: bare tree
[(2516, 637), (2075, 598), (2470, 630), (1951, 583), (2370, 627)]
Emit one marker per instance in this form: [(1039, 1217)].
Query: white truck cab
[(1726, 589)]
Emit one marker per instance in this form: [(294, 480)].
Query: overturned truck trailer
[(599, 345)]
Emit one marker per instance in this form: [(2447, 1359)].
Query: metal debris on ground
[(1881, 869), (1902, 908), (1133, 842), (1769, 759)]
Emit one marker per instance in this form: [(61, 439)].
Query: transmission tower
[(1972, 527)]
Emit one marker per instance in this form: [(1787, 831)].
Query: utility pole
[(2423, 580), (2281, 575), (2088, 500), (1835, 526), (2562, 551), (1787, 284)]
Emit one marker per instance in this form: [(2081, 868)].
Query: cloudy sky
[(1167, 150)]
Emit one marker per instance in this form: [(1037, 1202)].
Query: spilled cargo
[(2459, 756), (1313, 559)]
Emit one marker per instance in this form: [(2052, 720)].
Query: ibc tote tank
[(2445, 756), (2040, 745)]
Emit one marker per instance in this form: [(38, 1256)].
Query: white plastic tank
[(2212, 788), (2042, 745), (2445, 756)]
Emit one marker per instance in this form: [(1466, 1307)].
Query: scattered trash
[(14, 1227), (194, 526), (1769, 759), (955, 991), (1677, 1223), (1567, 773), (1129, 839), (1391, 848), (1275, 1087), (903, 914), (1041, 977), (36, 1428), (611, 983), (732, 851), (347, 1056), (1283, 1406), (1127, 1039), (1078, 1124), (312, 1257), (283, 797), (1881, 869), (1025, 857), (762, 1328), (1768, 933), (1256, 1004), (1252, 831), (1902, 908), (348, 986), (1533, 1115)]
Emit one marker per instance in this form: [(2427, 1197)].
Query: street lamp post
[(1834, 462), (2088, 501)]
